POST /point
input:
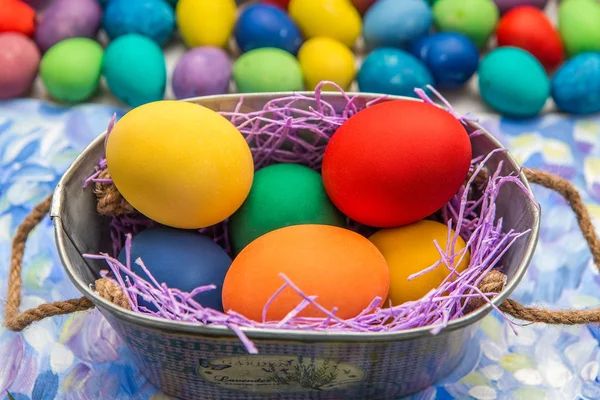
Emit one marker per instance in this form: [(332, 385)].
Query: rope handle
[(494, 282)]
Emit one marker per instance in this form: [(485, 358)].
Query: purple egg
[(19, 62), (202, 71), (505, 5), (65, 19)]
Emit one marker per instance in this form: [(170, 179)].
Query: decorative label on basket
[(276, 374)]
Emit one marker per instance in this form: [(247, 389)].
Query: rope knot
[(110, 201)]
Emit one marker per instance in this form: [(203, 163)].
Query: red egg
[(279, 3), (528, 28), (396, 163), (16, 16)]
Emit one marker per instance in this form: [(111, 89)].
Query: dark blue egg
[(264, 25), (181, 259), (452, 58)]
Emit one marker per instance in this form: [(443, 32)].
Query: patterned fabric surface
[(81, 357)]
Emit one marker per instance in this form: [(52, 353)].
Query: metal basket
[(192, 361)]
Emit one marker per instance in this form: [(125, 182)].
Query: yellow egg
[(180, 164), (337, 19), (410, 249), (323, 58), (206, 22)]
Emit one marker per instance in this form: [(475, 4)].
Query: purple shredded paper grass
[(286, 131)]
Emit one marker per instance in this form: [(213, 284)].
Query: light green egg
[(135, 70), (70, 70), (267, 70), (476, 19), (579, 25), (513, 82)]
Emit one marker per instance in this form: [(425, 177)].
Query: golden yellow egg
[(326, 59), (205, 22)]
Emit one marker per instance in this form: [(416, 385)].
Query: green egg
[(513, 82), (267, 70), (476, 19), (282, 195), (135, 70), (70, 70), (579, 26)]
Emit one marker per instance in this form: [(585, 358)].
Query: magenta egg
[(505, 5), (19, 63), (202, 71)]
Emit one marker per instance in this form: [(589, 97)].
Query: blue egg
[(452, 58), (394, 72), (264, 25), (395, 23), (151, 18), (576, 85), (181, 259)]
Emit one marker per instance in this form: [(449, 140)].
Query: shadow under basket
[(193, 361)]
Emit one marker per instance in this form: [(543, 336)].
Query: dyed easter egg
[(135, 70), (65, 19), (283, 4), (391, 23), (337, 19), (578, 26), (326, 59), (16, 16), (282, 195), (451, 57), (151, 18), (19, 62), (513, 82), (476, 19), (182, 260), (506, 5), (202, 71), (576, 84), (70, 70), (529, 29), (267, 70), (395, 163), (264, 25), (180, 164), (410, 249), (393, 71), (205, 22), (363, 5), (342, 268)]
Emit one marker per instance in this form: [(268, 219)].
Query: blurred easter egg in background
[(529, 29), (393, 71), (19, 63), (513, 82), (390, 23), (264, 25), (337, 19), (282, 195), (576, 84), (267, 70), (134, 69), (396, 162), (70, 70), (326, 59), (578, 26), (182, 260), (151, 18), (16, 16), (180, 164), (410, 249), (506, 5), (363, 5), (342, 268), (65, 19), (451, 57), (283, 4), (202, 71), (476, 19), (206, 22)]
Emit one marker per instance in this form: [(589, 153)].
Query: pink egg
[(19, 62)]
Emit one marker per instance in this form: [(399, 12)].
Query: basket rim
[(160, 324)]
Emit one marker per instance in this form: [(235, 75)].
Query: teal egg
[(513, 82), (135, 70)]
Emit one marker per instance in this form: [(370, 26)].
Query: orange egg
[(339, 266)]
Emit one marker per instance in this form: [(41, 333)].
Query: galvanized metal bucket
[(192, 361)]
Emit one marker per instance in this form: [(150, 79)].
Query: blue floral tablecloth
[(81, 357)]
